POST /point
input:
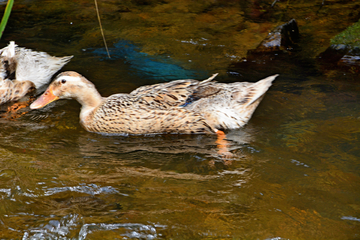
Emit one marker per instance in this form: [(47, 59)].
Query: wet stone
[(344, 50), (282, 38), (341, 56), (349, 60)]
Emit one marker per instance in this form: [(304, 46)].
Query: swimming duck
[(180, 106), (22, 70)]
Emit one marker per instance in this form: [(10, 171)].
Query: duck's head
[(67, 85)]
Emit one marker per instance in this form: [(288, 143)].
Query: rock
[(333, 53), (278, 52), (351, 61), (282, 38), (344, 50)]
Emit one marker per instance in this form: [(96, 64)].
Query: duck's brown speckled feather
[(174, 93), (121, 113), (181, 106), (12, 90)]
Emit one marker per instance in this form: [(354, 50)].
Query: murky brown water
[(294, 173)]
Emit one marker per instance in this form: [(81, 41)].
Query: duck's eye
[(63, 81)]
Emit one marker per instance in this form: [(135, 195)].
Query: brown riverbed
[(294, 171)]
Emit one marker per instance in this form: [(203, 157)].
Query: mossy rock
[(350, 37), (344, 50)]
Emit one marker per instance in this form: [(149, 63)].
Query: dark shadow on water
[(159, 68)]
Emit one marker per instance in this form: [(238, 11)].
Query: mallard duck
[(23, 69), (180, 106)]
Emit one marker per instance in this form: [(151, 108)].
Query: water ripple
[(350, 218), (54, 229), (91, 189), (7, 192), (139, 231), (68, 226)]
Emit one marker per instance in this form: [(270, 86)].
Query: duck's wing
[(165, 95), (176, 93), (234, 105)]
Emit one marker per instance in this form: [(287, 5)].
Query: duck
[(180, 106), (23, 70)]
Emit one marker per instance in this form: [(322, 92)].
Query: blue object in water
[(158, 67)]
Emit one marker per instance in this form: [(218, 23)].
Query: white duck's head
[(69, 85)]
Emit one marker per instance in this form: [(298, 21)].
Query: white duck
[(22, 70)]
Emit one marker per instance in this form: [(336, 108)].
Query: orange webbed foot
[(222, 144)]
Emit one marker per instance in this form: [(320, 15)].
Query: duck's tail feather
[(258, 89), (38, 67), (9, 50), (210, 78), (234, 105)]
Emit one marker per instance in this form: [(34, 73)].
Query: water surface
[(294, 170)]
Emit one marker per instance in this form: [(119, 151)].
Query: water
[(294, 169)]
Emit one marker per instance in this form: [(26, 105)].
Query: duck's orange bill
[(44, 99)]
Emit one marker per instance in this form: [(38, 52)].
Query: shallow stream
[(294, 172)]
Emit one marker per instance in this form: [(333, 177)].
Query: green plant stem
[(6, 16)]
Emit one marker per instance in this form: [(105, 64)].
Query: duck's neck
[(89, 101)]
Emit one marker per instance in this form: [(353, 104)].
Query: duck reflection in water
[(167, 150)]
